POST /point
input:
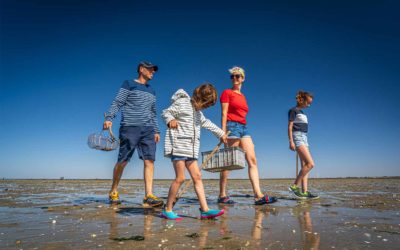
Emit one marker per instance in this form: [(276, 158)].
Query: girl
[(182, 142), (297, 131)]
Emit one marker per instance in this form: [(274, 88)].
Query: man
[(139, 129)]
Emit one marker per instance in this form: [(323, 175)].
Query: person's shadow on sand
[(93, 199), (137, 210)]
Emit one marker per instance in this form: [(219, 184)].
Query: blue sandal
[(265, 200), (226, 200)]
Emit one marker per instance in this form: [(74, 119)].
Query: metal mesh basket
[(102, 141), (224, 159)]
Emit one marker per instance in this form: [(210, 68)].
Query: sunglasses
[(236, 76)]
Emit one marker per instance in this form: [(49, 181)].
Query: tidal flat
[(359, 213)]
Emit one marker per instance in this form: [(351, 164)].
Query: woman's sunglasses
[(236, 76)]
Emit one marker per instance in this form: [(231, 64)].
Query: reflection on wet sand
[(206, 226), (310, 238), (260, 213), (260, 225), (146, 215)]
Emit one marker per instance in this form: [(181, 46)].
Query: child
[(182, 142), (297, 131)]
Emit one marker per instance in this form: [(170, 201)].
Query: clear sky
[(62, 63)]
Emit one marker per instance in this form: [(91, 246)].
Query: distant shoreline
[(97, 179)]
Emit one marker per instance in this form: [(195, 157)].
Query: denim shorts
[(140, 137), (300, 138), (182, 158), (237, 129)]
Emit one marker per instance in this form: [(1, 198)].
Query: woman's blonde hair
[(302, 96), (237, 69), (205, 95)]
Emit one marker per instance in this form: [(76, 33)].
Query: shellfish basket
[(224, 159), (103, 141)]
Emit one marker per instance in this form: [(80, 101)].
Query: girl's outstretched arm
[(209, 125)]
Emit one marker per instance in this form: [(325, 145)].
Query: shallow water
[(56, 214)]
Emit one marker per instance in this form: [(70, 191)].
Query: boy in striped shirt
[(139, 129)]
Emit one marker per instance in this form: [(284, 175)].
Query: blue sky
[(62, 62)]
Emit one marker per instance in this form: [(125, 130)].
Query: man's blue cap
[(148, 65)]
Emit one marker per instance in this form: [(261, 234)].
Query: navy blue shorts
[(141, 138)]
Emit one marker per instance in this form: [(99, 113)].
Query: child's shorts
[(300, 138), (237, 129), (182, 158)]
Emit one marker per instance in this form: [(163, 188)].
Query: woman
[(297, 132), (234, 111)]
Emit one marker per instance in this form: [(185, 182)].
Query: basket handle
[(109, 129), (213, 152), (111, 134)]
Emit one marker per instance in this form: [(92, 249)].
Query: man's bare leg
[(148, 173), (118, 170)]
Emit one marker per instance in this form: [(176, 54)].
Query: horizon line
[(349, 177)]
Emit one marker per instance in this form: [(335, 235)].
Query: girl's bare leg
[(305, 156), (195, 173), (304, 182), (179, 167)]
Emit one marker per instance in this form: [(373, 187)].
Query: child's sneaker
[(211, 213), (226, 200), (152, 201), (265, 200), (113, 197), (170, 215), (309, 195), (296, 191)]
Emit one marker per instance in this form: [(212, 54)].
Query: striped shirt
[(299, 119), (137, 103), (185, 140)]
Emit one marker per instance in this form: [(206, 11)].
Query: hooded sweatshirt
[(185, 140)]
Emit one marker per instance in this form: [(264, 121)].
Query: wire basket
[(224, 159), (103, 141)]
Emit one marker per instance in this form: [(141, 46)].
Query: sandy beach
[(75, 214)]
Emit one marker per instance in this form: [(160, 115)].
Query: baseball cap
[(237, 69), (147, 65)]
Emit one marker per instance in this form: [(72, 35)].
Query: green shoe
[(297, 192), (309, 195)]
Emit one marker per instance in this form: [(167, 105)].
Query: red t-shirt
[(238, 108)]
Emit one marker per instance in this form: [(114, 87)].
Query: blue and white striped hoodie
[(138, 104), (185, 140)]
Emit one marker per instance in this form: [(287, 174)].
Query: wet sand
[(75, 214)]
